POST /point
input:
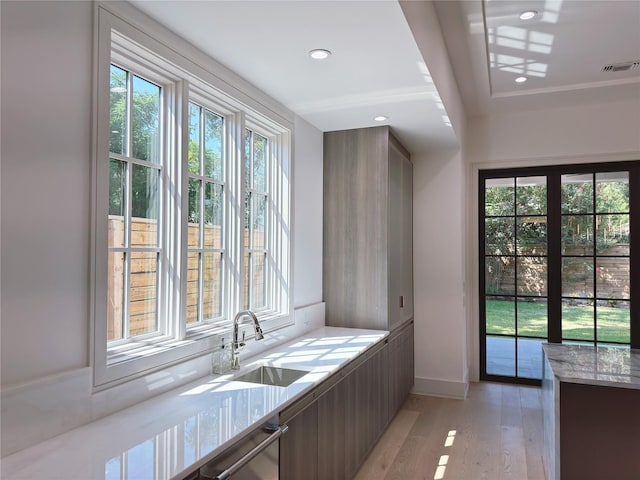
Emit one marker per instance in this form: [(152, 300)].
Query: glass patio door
[(515, 265), (596, 258), (557, 263)]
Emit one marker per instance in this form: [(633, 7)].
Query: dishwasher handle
[(279, 431)]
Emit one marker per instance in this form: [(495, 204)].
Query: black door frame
[(554, 249)]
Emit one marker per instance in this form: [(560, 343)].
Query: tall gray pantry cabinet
[(368, 229), (368, 283)]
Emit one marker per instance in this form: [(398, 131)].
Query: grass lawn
[(577, 321)]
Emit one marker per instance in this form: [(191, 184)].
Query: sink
[(280, 377)]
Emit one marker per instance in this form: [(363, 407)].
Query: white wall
[(440, 312), (46, 159), (542, 135), (45, 233), (439, 244), (307, 214), (445, 219)]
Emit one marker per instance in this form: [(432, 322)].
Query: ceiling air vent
[(621, 67)]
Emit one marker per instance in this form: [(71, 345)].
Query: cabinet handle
[(249, 456), (401, 301)]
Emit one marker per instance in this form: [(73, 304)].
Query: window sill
[(135, 359)]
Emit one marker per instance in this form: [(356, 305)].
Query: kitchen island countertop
[(604, 366)]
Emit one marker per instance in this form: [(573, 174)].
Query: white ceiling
[(561, 51), (376, 67)]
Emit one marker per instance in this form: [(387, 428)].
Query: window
[(560, 263), (191, 207), (205, 244), (515, 257), (596, 277), (256, 196), (135, 184)]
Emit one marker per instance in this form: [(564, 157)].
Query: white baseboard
[(440, 388)]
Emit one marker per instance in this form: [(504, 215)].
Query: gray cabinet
[(352, 416), (333, 412), (401, 367), (342, 420), (298, 447), (368, 233)]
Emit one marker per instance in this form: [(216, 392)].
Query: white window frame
[(164, 244), (278, 201), (201, 98), (125, 43)]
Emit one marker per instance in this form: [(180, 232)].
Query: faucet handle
[(241, 343)]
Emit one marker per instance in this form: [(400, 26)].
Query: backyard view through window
[(206, 215), (255, 241), (135, 168), (556, 249), (595, 258), (191, 209), (135, 190), (516, 274)]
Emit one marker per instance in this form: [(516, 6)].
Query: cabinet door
[(355, 223), (378, 368), (407, 361), (401, 365), (394, 376), (332, 414), (400, 235), (396, 237), (407, 240), (299, 446), (351, 418)]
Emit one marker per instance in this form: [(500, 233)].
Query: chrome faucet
[(235, 344)]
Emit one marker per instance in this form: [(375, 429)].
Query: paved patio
[(501, 357)]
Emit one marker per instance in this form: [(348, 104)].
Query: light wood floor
[(495, 434)]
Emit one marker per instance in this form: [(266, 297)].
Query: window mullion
[(127, 254), (236, 213), (269, 244), (165, 208), (201, 263), (129, 115), (178, 174), (516, 272), (634, 254), (554, 263), (250, 206)]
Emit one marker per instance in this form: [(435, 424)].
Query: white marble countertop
[(606, 366), (171, 435)]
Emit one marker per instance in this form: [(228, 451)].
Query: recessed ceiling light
[(528, 14), (521, 79), (319, 53), (380, 118)]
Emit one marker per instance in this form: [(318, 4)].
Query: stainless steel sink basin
[(280, 377)]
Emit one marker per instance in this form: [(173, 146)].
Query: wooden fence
[(612, 274), (144, 278)]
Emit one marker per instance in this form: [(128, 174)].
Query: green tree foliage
[(529, 203), (145, 143), (205, 158)]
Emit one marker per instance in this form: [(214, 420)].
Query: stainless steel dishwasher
[(255, 457)]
